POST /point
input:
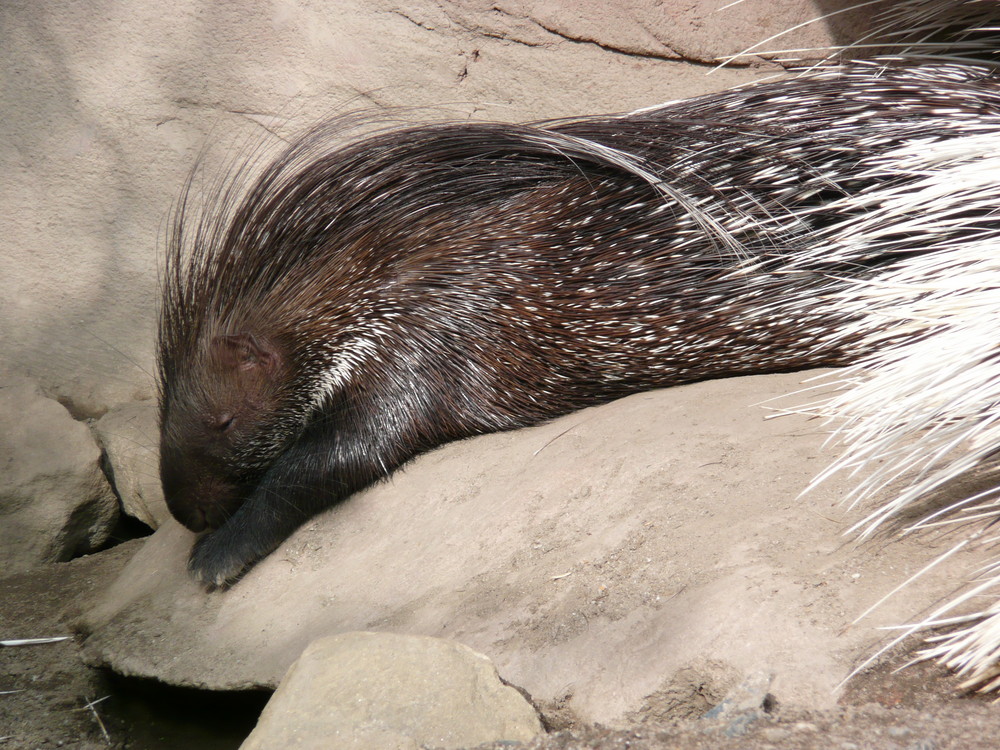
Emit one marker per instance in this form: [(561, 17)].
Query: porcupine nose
[(200, 499)]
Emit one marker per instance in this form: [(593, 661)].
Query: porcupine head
[(254, 438), (240, 457), (219, 416)]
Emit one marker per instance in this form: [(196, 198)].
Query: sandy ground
[(51, 687)]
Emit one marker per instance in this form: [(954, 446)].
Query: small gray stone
[(369, 691), (749, 695), (743, 705)]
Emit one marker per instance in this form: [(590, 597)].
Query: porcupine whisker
[(131, 360), (148, 443), (68, 356)]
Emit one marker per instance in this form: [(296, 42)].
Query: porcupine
[(364, 303)]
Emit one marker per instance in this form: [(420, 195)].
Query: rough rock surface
[(885, 707), (106, 107), (55, 502), (380, 691), (632, 561), (128, 435)]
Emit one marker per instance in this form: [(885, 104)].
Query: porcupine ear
[(245, 351)]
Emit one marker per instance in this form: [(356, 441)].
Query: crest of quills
[(358, 303)]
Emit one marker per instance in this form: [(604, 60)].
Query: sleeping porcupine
[(361, 304)]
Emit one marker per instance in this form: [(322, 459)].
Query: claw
[(214, 564)]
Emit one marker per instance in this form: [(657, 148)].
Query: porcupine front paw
[(216, 562)]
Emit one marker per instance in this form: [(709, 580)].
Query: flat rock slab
[(382, 691), (635, 559)]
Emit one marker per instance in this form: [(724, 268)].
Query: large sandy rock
[(635, 559), (55, 502), (128, 433), (108, 105), (378, 691)]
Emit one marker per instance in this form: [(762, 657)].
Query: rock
[(692, 31), (55, 502), (128, 434), (633, 560), (378, 691)]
